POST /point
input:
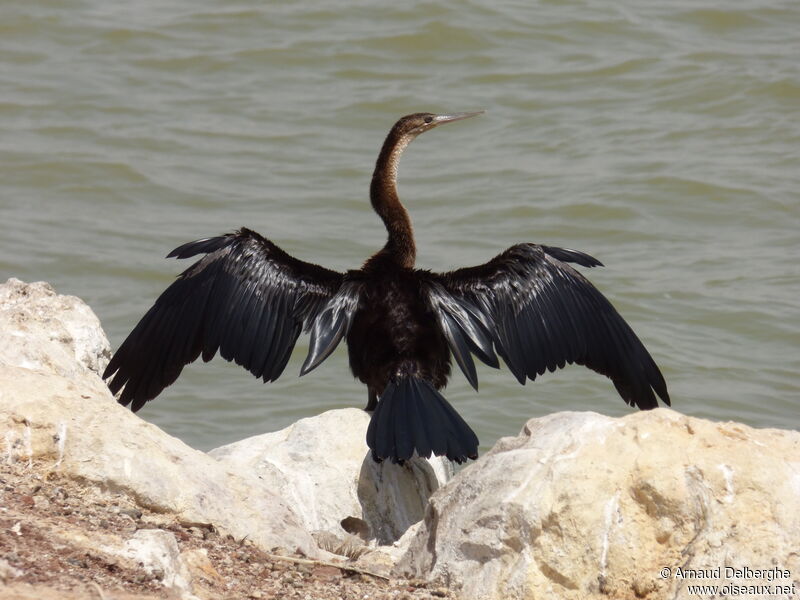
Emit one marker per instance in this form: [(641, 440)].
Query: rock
[(95, 439), (53, 410), (157, 553), (200, 567), (321, 466), (42, 330), (7, 572), (585, 506)]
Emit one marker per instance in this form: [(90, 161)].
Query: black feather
[(465, 329), (394, 431), (573, 256), (544, 315), (204, 246), (246, 298), (331, 325)]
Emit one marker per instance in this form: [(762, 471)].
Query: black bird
[(250, 300)]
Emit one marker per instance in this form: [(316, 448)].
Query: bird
[(249, 300)]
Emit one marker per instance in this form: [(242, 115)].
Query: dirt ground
[(55, 534)]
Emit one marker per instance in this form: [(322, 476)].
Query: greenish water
[(663, 138)]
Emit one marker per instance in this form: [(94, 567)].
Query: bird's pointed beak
[(439, 119)]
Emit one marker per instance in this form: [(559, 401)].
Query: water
[(663, 138)]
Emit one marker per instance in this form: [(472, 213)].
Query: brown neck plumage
[(400, 247)]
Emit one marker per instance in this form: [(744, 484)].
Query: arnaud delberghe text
[(770, 574)]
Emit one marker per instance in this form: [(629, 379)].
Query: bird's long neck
[(400, 247)]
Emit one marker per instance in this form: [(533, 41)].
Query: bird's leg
[(372, 400)]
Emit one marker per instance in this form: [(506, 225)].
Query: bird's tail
[(411, 415)]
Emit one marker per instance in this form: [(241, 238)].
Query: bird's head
[(411, 126)]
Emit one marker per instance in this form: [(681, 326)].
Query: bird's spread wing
[(246, 298), (542, 314)]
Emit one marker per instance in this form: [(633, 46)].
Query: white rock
[(157, 553), (582, 506), (7, 572), (107, 444), (63, 412), (40, 329), (322, 467)]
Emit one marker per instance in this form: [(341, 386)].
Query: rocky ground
[(55, 536)]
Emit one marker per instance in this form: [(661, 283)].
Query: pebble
[(7, 571), (133, 513), (59, 493), (326, 572), (41, 502), (78, 562)]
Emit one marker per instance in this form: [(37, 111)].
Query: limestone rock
[(89, 436), (7, 572), (585, 506), (61, 411), (322, 467), (40, 329), (158, 554)]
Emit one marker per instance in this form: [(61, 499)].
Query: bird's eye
[(428, 119)]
